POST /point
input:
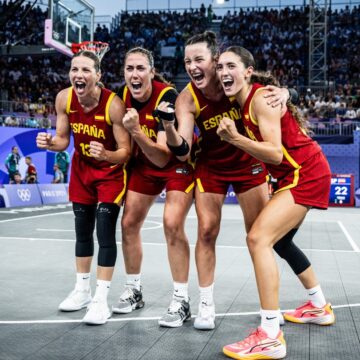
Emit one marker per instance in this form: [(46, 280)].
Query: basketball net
[(97, 47)]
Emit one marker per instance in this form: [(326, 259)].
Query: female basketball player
[(97, 183), (276, 136), (219, 164), (152, 169)]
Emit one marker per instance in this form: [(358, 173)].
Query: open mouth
[(227, 83), (79, 85), (198, 77), (136, 86)]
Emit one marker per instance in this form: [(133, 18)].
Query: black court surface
[(37, 272)]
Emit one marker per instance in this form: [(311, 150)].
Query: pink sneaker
[(257, 346), (308, 313)]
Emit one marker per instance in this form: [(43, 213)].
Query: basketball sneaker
[(308, 313), (257, 345), (205, 319), (76, 300), (131, 299), (97, 313), (177, 313)]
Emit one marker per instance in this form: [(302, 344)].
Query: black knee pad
[(293, 255), (84, 229), (106, 218)]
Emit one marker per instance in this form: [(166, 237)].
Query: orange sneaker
[(308, 313), (257, 345)]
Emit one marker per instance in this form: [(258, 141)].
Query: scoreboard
[(342, 190)]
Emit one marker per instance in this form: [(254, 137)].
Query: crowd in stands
[(277, 37)]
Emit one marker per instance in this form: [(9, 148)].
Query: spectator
[(58, 175), (31, 173), (31, 122), (45, 122), (12, 163), (62, 159), (12, 120), (17, 179)]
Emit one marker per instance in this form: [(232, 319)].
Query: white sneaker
[(76, 300), (205, 319), (97, 313)]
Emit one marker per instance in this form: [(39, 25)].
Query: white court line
[(161, 244), (348, 237), (37, 216), (158, 225), (147, 318)]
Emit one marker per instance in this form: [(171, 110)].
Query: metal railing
[(334, 127)]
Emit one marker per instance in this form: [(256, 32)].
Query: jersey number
[(85, 149)]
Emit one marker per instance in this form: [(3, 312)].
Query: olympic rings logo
[(24, 194)]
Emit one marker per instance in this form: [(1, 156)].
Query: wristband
[(180, 150), (164, 115)]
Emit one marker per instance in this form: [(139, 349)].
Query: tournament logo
[(24, 194)]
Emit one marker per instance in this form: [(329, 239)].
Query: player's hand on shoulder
[(43, 140), (276, 96)]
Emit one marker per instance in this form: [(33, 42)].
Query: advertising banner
[(23, 195), (53, 193)]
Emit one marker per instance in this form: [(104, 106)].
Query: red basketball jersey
[(210, 148), (92, 126), (297, 147), (148, 123)]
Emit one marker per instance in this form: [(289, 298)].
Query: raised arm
[(179, 140), (61, 139), (270, 149), (122, 153)]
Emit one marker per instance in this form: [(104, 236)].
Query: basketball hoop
[(97, 47)]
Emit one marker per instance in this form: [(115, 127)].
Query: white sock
[(133, 280), (316, 296), (82, 281), (181, 290), (102, 290), (207, 294), (270, 322)]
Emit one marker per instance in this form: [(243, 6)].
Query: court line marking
[(348, 237), (161, 244), (158, 225), (36, 216), (148, 318)]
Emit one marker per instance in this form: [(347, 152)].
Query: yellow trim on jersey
[(163, 91), (196, 101), (199, 185), (296, 171), (149, 117), (99, 117), (190, 187), (125, 93), (68, 102), (119, 197), (253, 120), (108, 103)]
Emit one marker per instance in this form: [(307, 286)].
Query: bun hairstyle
[(266, 78), (208, 37)]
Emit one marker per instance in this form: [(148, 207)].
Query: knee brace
[(84, 229), (293, 255), (106, 217)]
